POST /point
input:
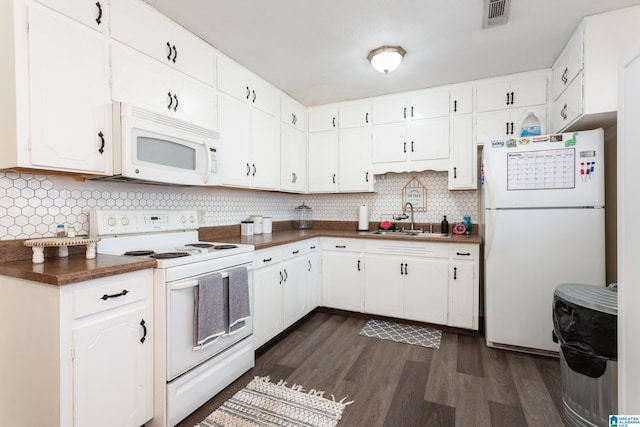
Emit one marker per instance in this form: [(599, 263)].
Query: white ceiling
[(316, 51)]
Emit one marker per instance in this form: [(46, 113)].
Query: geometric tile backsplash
[(31, 205)]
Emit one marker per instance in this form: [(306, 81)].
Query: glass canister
[(302, 217)]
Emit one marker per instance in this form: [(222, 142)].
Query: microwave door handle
[(207, 171)]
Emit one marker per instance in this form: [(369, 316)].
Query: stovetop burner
[(201, 245), (168, 255), (139, 253), (225, 246)]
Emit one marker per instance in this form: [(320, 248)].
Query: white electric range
[(186, 374)]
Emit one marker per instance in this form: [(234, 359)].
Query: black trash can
[(585, 325)]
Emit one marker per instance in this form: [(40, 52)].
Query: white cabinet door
[(342, 279), (569, 64), (464, 154), (292, 113), (136, 24), (354, 115), (383, 285), (314, 279), (92, 14), (355, 159), (389, 143), (427, 104), (112, 369), (237, 81), (503, 125), (265, 151), (70, 118), (568, 107), (425, 290), (294, 289), (234, 121), (323, 162), (391, 109), (141, 81), (293, 159), (517, 93), (267, 307), (323, 119), (461, 294), (428, 139), (461, 100)]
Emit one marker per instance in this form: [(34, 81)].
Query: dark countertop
[(73, 269), (76, 268), (262, 241)]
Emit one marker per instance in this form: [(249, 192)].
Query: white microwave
[(154, 148)]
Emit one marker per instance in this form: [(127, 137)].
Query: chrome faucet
[(404, 211)]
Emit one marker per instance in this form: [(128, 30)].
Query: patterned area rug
[(409, 334), (263, 403)]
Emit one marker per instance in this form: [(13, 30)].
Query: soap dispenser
[(444, 226)]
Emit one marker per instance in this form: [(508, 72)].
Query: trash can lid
[(600, 298)]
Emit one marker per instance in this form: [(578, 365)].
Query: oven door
[(182, 354)]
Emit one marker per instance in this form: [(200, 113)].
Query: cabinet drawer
[(400, 247), (342, 245), (463, 252), (111, 292), (266, 257)]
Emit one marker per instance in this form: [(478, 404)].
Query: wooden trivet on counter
[(38, 245)]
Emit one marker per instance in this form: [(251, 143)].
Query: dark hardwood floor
[(463, 383)]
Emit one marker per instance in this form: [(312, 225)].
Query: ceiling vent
[(496, 12)]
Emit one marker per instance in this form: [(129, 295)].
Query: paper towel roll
[(363, 218)]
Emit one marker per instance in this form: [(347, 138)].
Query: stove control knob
[(124, 220), (183, 219), (192, 219), (111, 221)]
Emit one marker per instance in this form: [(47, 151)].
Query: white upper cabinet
[(391, 109), (293, 159), (238, 82), (512, 92), (293, 113), (323, 119), (354, 115), (568, 64), (138, 25), (324, 175), (92, 14), (355, 160), (461, 100), (504, 125), (463, 168), (428, 104), (55, 84), (585, 74), (139, 80)]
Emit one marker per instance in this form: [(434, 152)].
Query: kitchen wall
[(31, 205)]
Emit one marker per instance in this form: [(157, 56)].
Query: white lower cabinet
[(342, 274), (285, 287), (78, 354), (464, 272), (432, 282), (407, 280)]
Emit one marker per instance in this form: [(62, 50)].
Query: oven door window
[(166, 153)]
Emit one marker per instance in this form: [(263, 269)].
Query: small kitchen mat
[(408, 334), (263, 403)]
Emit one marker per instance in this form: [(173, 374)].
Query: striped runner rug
[(263, 403)]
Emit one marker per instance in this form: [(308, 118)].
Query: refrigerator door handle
[(490, 211)]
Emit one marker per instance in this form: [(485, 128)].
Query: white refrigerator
[(543, 200)]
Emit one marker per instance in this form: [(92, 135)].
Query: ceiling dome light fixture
[(386, 58)]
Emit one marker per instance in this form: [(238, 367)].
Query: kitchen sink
[(415, 233)]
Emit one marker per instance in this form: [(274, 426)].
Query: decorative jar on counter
[(302, 217)]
